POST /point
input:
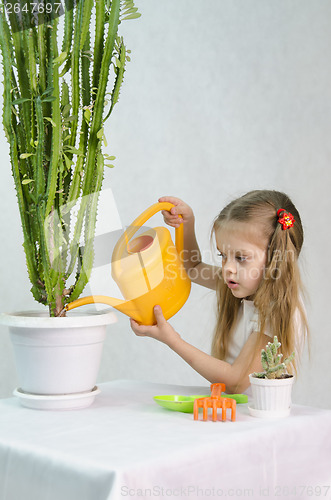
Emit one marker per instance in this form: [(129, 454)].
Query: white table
[(126, 446)]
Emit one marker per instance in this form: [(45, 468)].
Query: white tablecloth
[(126, 446)]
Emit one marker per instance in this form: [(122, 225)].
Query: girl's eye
[(221, 255), (240, 258)]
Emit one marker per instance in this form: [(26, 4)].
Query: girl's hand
[(162, 331), (181, 208)]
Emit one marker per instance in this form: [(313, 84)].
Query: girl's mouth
[(232, 284)]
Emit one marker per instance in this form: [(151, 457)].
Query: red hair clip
[(287, 220)]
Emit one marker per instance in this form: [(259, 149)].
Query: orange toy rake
[(215, 402)]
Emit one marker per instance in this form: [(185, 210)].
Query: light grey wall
[(220, 97)]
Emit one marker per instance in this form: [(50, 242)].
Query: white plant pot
[(272, 396), (57, 356)]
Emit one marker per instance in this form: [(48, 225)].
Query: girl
[(259, 237)]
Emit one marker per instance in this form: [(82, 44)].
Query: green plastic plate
[(240, 398), (185, 403), (178, 403)]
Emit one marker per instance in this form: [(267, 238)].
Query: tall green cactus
[(272, 362), (55, 105)]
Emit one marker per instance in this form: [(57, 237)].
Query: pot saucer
[(269, 413), (74, 401)]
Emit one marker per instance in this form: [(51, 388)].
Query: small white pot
[(57, 356), (272, 395)]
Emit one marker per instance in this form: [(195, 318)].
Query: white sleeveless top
[(247, 323)]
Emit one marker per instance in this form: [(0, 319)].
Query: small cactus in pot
[(271, 389), (272, 363)]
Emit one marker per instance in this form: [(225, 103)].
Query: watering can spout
[(127, 307), (148, 270)]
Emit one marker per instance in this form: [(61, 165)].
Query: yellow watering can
[(148, 270)]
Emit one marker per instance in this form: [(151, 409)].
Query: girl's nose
[(229, 267)]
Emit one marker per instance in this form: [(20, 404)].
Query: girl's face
[(243, 250)]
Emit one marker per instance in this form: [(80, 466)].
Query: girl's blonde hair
[(278, 297)]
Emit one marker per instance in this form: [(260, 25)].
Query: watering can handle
[(140, 221)]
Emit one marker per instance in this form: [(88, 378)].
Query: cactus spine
[(272, 362), (54, 111)]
